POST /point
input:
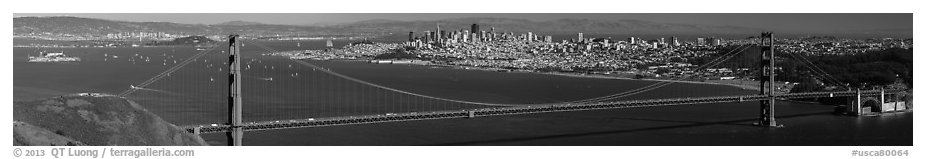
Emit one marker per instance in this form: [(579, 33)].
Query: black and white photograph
[(419, 79)]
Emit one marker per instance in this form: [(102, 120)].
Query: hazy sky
[(774, 21)]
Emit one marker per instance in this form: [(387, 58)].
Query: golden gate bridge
[(418, 106)]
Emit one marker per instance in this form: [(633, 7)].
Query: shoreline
[(146, 46), (647, 79), (579, 75)]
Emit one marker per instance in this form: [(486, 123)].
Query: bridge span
[(500, 111), (235, 127)]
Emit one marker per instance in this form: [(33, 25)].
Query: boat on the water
[(53, 57)]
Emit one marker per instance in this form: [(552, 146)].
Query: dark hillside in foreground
[(96, 120)]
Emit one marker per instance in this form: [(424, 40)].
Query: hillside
[(89, 26), (239, 23), (570, 26), (75, 25), (191, 40), (95, 120)]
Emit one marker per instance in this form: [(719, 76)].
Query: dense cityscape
[(662, 58), (476, 47)]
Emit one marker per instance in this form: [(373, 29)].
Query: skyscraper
[(411, 36), (464, 37), (581, 38), (442, 36), (474, 28), (675, 41), (530, 36), (482, 36), (439, 33), (427, 36)]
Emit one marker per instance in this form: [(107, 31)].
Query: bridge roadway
[(498, 111)]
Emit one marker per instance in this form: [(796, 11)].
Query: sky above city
[(773, 21)]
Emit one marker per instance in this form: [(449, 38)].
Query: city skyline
[(793, 22)]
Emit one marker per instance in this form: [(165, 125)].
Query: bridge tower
[(767, 81), (234, 91)]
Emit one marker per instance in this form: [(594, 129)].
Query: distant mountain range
[(588, 26), (240, 23), (89, 26), (76, 25)]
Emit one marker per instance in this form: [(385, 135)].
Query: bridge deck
[(468, 113)]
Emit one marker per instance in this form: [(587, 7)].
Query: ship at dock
[(53, 57)]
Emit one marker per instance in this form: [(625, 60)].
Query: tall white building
[(581, 37), (530, 36)]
